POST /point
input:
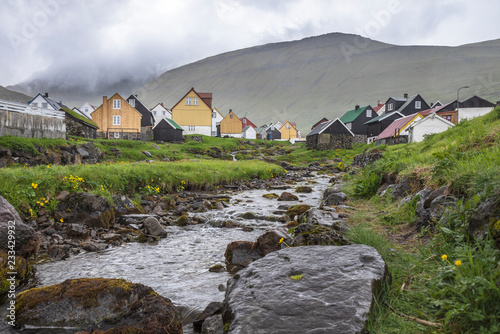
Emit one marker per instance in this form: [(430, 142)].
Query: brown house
[(117, 119), (231, 126)]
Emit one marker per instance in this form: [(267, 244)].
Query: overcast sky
[(90, 39)]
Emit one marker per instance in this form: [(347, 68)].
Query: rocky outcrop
[(25, 240), (486, 217), (111, 305), (365, 159), (84, 208), (310, 234), (314, 289)]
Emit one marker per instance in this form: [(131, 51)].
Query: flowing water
[(177, 266)]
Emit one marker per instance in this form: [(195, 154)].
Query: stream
[(177, 266)]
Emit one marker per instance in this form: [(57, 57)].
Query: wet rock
[(27, 242), (135, 219), (335, 198), (213, 325), (154, 228), (211, 309), (303, 189), (93, 246), (218, 268), (241, 253), (271, 195), (109, 237), (249, 215), (183, 220), (297, 210), (291, 291), (310, 234), (269, 242), (103, 304), (85, 208), (59, 252), (286, 196), (322, 216), (77, 231), (21, 268), (123, 205)]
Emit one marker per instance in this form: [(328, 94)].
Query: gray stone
[(211, 309), (85, 208), (135, 218), (484, 218), (286, 196), (59, 252), (241, 253), (213, 325), (146, 153), (401, 189), (154, 228), (335, 199), (123, 205), (311, 289), (438, 192), (387, 190), (77, 231), (319, 216), (27, 242)]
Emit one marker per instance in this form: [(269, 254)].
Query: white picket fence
[(26, 109)]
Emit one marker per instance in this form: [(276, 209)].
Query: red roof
[(378, 107), (207, 98), (246, 122), (395, 127)]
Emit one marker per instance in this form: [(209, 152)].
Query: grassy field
[(442, 280)]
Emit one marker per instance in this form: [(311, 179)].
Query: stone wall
[(31, 126), (359, 139), (327, 141)]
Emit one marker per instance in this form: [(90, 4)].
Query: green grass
[(26, 188)]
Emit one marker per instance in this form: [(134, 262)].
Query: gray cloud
[(104, 41)]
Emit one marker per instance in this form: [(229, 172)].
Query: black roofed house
[(167, 130), (147, 120), (330, 135), (272, 132), (473, 107), (378, 124), (355, 120), (321, 121), (406, 105)]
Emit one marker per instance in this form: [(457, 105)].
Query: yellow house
[(194, 113), (288, 131), (116, 118), (231, 126)]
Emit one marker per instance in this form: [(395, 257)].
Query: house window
[(418, 104), (45, 105), (86, 109), (117, 120), (188, 101), (391, 107), (154, 112), (244, 121), (164, 112), (195, 101), (34, 104), (117, 104), (231, 116), (288, 127), (191, 128), (131, 102), (447, 117), (348, 125), (117, 135), (213, 114), (368, 113)]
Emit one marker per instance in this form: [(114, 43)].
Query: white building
[(474, 107), (46, 102), (87, 109), (426, 126), (159, 112), (249, 132), (216, 118)]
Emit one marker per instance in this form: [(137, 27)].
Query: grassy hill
[(327, 75), (10, 95)]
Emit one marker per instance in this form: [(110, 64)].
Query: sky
[(91, 41)]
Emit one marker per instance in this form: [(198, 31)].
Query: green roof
[(80, 117), (174, 124), (351, 115)]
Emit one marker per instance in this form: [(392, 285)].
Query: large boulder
[(311, 289), (240, 254), (286, 196), (109, 304), (84, 208), (25, 240), (153, 227)]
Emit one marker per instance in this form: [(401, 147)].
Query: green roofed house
[(79, 125), (167, 130), (356, 118)]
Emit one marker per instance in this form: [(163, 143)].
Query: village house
[(321, 121), (193, 113), (406, 105), (168, 131), (428, 125), (147, 120), (246, 122), (87, 109), (356, 118), (230, 126), (79, 125), (378, 124), (288, 131), (117, 119), (249, 132), (394, 134), (159, 112), (46, 102), (216, 118), (330, 135), (272, 132)]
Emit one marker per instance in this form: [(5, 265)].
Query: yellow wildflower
[(34, 185), (61, 220), (281, 240), (458, 263), (444, 257)]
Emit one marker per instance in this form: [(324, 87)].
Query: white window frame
[(34, 104), (418, 105), (368, 113), (195, 101), (390, 107), (213, 114), (188, 101), (117, 120), (191, 128), (154, 112), (131, 102), (45, 105), (116, 135), (164, 112), (117, 104)]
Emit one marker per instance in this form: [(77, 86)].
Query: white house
[(78, 111), (474, 107), (159, 112), (216, 118), (44, 101), (249, 132), (87, 109), (426, 126)]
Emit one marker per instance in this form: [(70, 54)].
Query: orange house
[(288, 131), (117, 119), (231, 126)]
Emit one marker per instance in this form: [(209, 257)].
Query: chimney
[(46, 94), (406, 96), (379, 102), (356, 107)]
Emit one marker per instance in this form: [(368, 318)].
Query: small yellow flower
[(34, 185), (31, 212), (61, 220), (46, 201), (458, 263), (281, 240), (41, 203), (444, 257)]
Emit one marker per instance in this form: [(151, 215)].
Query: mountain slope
[(10, 95), (325, 76)]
